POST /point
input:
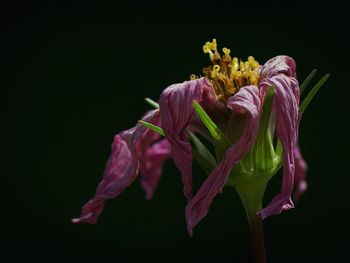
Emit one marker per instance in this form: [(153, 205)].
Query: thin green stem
[(251, 196)]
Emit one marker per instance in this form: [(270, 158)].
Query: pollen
[(228, 74)]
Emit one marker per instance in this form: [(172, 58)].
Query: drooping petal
[(286, 106), (118, 164), (152, 156), (176, 111), (278, 65), (121, 169), (300, 172), (152, 165), (246, 101)]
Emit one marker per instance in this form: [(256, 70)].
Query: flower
[(241, 89), (242, 108)]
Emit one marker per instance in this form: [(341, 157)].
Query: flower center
[(228, 74)]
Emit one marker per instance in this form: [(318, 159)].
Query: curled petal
[(278, 65), (121, 169), (300, 172), (246, 101), (152, 156), (176, 112), (152, 165), (287, 122)]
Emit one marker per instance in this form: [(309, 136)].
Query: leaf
[(279, 149), (152, 127), (215, 132), (307, 81), (203, 163), (312, 93), (152, 103), (202, 154), (263, 148), (264, 122), (220, 140)]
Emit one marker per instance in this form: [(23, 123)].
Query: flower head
[(242, 108)]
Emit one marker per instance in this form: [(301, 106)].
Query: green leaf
[(264, 153), (214, 131), (264, 122), (220, 140), (152, 103), (203, 163), (152, 127), (307, 81), (279, 149), (312, 93), (202, 154)]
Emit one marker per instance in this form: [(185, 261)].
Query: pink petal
[(286, 105), (152, 165), (152, 156), (278, 65), (176, 111), (246, 101), (300, 172), (121, 169)]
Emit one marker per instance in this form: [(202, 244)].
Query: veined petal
[(246, 101), (121, 169), (286, 106), (176, 112), (300, 172), (278, 65), (152, 165), (152, 156)]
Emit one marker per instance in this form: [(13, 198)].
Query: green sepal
[(152, 103), (307, 81), (265, 157), (261, 162), (201, 154), (153, 127), (220, 140), (312, 93)]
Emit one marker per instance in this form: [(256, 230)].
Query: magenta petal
[(117, 167), (176, 112), (245, 101), (287, 123), (152, 156), (278, 65), (121, 169), (152, 165), (300, 172)]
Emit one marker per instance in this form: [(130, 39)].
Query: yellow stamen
[(242, 66), (227, 74), (193, 77), (216, 70), (247, 66), (235, 65), (226, 51), (251, 59), (213, 45)]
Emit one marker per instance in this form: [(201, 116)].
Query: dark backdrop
[(77, 74)]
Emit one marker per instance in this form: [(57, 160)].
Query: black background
[(76, 74)]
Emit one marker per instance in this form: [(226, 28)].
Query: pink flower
[(239, 108)]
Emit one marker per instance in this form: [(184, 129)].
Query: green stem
[(251, 196)]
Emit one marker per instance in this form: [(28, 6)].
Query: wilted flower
[(249, 112)]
